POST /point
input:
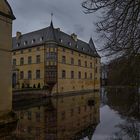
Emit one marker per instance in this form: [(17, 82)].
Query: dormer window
[(83, 49), (69, 43), (25, 43), (33, 41), (41, 39), (18, 44), (77, 46), (60, 40)]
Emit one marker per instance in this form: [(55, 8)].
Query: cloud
[(79, 29), (68, 15)]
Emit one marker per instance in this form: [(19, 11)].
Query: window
[(21, 115), (21, 51), (90, 75), (54, 50), (85, 75), (30, 50), (85, 63), (79, 75), (79, 110), (18, 44), (29, 129), (37, 116), (41, 39), (90, 65), (72, 112), (21, 61), (63, 59), (60, 40), (38, 59), (21, 75), (63, 49), (69, 43), (37, 74), (72, 61), (14, 53), (79, 62), (29, 115), (63, 115), (51, 55), (29, 60), (96, 70), (33, 41), (38, 132), (96, 60), (72, 74), (71, 52), (14, 62), (63, 74), (29, 74), (90, 117), (85, 108), (25, 43), (38, 48)]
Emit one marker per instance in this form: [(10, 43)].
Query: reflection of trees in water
[(125, 101), (129, 130)]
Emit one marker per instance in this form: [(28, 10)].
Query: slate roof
[(51, 34)]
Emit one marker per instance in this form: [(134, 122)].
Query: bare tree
[(119, 26)]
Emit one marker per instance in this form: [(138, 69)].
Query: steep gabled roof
[(52, 34), (92, 46)]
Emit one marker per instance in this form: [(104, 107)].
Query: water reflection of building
[(64, 118)]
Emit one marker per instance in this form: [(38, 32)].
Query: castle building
[(53, 60), (6, 18)]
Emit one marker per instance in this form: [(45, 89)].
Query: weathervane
[(52, 17)]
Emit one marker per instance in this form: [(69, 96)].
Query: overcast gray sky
[(68, 16)]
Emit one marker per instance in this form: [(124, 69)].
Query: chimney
[(74, 36), (58, 29), (18, 35)]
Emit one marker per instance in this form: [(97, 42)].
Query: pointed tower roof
[(51, 24), (92, 46), (51, 35)]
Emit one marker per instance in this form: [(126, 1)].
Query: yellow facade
[(62, 68), (62, 118), (89, 82), (6, 17), (33, 66)]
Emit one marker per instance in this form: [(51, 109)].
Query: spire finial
[(51, 20), (51, 17)]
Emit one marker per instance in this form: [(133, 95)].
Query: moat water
[(80, 117)]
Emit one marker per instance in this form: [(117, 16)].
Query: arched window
[(29, 74), (21, 61)]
